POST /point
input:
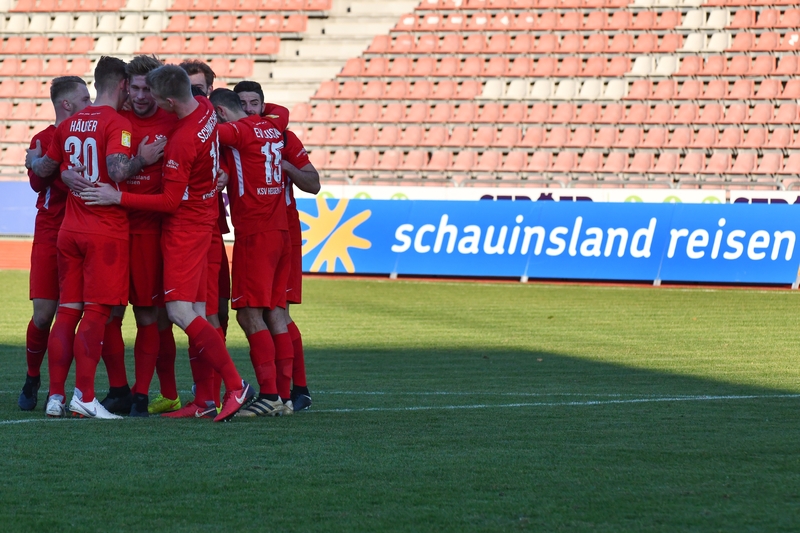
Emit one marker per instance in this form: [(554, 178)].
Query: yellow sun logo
[(335, 239)]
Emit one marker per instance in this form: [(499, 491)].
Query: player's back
[(192, 156), (255, 188), (86, 139)]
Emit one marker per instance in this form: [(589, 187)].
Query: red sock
[(35, 348), (145, 354), (298, 363), (114, 353), (89, 347), (262, 355), (217, 385), (212, 349), (59, 346), (165, 364), (284, 353), (203, 376)]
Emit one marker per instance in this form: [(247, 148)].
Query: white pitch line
[(559, 404), (589, 403)]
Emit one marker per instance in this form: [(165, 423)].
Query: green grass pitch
[(449, 407)]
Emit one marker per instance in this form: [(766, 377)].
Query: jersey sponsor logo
[(172, 164), (332, 234), (126, 139), (82, 126), (268, 191)]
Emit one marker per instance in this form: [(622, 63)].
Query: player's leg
[(212, 300), (168, 400), (301, 397), (119, 397), (145, 354), (224, 291), (105, 285), (44, 295), (185, 271), (62, 336), (284, 354), (262, 356)]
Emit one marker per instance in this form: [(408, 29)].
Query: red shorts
[(92, 268), (261, 270), (215, 253), (294, 287), (224, 276), (44, 270), (147, 270), (185, 264)]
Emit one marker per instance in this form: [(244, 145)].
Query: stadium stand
[(597, 93), (288, 45)]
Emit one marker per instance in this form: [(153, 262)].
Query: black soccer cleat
[(28, 398), (139, 405), (301, 399), (118, 401)]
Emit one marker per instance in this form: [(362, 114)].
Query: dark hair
[(169, 81), (141, 65), (194, 66), (64, 85), (108, 72), (225, 98), (249, 87)]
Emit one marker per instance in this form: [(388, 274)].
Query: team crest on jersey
[(126, 138), (172, 164)]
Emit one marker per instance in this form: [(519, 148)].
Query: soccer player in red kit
[(69, 95), (189, 197), (299, 171), (146, 294), (261, 249), (93, 241)]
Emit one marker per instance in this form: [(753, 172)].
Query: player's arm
[(165, 202), (230, 135), (41, 165), (121, 167), (306, 178)]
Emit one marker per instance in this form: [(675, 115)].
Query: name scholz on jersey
[(82, 126)]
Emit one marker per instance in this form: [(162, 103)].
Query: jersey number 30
[(83, 153)]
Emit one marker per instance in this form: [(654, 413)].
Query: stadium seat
[(661, 114), (581, 137), (319, 158), (636, 114), (791, 164), (341, 160), (13, 156), (615, 163), (318, 136), (781, 138), (693, 163), (340, 136), (539, 162), (564, 162), (705, 138), (464, 113), (393, 113), (387, 136), (489, 113), (509, 137), (730, 138), (364, 136), (459, 136), (642, 163), (533, 138), (745, 163), (768, 89), (415, 161), (771, 163), (514, 162), (630, 137), (390, 161), (680, 138), (435, 136), (612, 114), (439, 162), (411, 136), (418, 113), (556, 138), (656, 138), (718, 163)]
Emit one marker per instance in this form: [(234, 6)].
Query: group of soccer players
[(130, 211)]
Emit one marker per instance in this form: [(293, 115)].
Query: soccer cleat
[(56, 406), (288, 408), (118, 404), (93, 409), (192, 410), (301, 401), (233, 402), (262, 407), (163, 404), (139, 406), (28, 398)]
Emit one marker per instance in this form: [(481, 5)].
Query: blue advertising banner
[(17, 208), (556, 240)]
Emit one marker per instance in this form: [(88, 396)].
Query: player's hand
[(127, 106), (33, 153), (74, 180), (152, 152), (103, 194), (222, 180)]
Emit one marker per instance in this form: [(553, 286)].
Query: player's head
[(142, 101), (110, 79), (251, 95), (169, 85), (227, 105), (200, 75), (69, 95)]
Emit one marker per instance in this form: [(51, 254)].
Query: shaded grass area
[(492, 442)]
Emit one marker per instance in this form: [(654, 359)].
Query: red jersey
[(148, 180), (52, 193), (255, 189), (295, 153), (192, 157), (86, 139)]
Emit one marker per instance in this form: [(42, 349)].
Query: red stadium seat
[(670, 43), (642, 163), (612, 114), (411, 136), (767, 42), (740, 66), (533, 138), (769, 89), (588, 114), (745, 163), (392, 114), (318, 136), (514, 162), (693, 163), (319, 158), (680, 138), (522, 44), (780, 138), (620, 21), (656, 138), (736, 114), (630, 137), (771, 163), (387, 136), (364, 136), (459, 136), (404, 43), (791, 164), (341, 160), (539, 162), (355, 66), (464, 113), (509, 137), (373, 90), (711, 114), (705, 138), (489, 113), (414, 161), (440, 113), (536, 114), (615, 163), (557, 137), (661, 114), (636, 114), (605, 137), (730, 138), (622, 43), (400, 67), (581, 137), (471, 67), (340, 136), (719, 163), (435, 136), (564, 162)]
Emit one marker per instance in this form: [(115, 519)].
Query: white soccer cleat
[(288, 408), (56, 406), (93, 409)]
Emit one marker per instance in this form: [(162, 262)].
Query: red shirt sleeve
[(294, 152), (54, 151), (166, 202), (118, 136), (230, 135)]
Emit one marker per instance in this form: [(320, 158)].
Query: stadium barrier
[(677, 242)]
